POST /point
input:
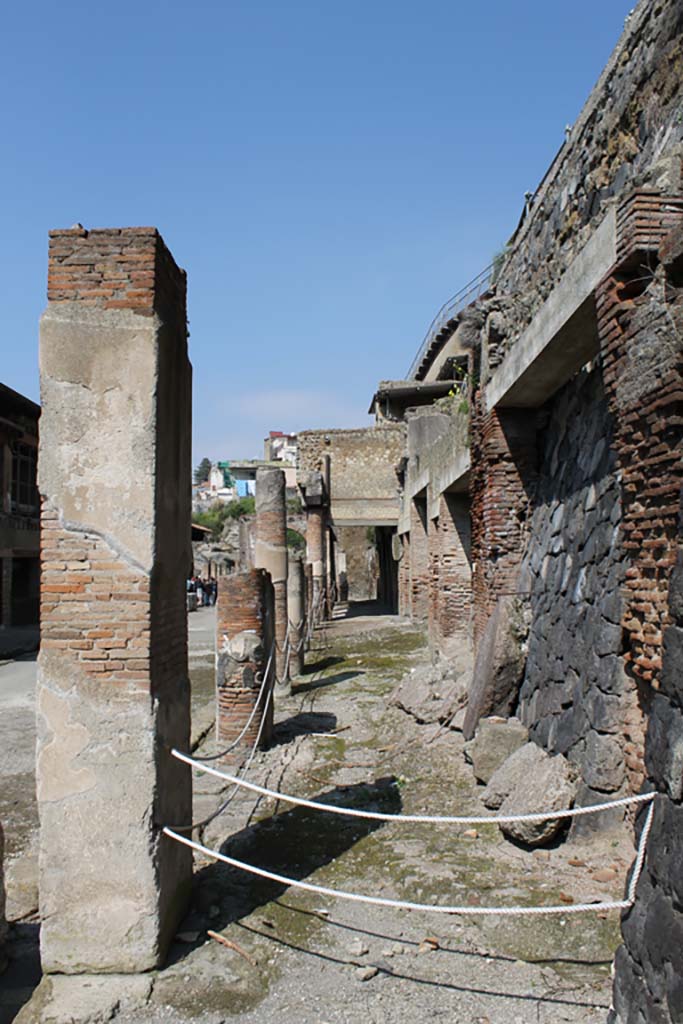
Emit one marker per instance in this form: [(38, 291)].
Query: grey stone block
[(540, 783), (495, 740)]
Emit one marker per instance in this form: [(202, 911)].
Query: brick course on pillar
[(113, 690), (271, 552), (244, 643), (503, 477)]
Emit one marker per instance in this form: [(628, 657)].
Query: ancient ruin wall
[(503, 488), (576, 698), (362, 472), (629, 134)]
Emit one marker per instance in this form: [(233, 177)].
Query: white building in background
[(280, 447)]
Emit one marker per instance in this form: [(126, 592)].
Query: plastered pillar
[(271, 554), (244, 624), (296, 609), (113, 693)]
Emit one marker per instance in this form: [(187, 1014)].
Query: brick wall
[(115, 268), (503, 480), (454, 587), (94, 606), (419, 561), (641, 328)]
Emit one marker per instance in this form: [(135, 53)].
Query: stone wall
[(576, 698), (629, 134), (362, 471)]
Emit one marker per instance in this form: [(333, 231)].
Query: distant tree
[(201, 473)]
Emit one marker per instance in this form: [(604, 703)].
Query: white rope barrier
[(380, 901), (426, 819)]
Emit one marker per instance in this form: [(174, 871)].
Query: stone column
[(296, 609), (271, 554), (3, 920), (308, 573), (244, 623), (113, 693), (315, 554)]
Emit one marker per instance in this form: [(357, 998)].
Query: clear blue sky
[(327, 173)]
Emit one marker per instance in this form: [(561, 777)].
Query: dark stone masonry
[(575, 691)]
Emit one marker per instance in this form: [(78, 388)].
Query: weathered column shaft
[(315, 553), (113, 693), (296, 609), (271, 553), (308, 573), (243, 642)]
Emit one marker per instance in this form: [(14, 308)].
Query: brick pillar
[(296, 609), (271, 554), (454, 604), (419, 561), (113, 694), (503, 479), (3, 920), (315, 553), (244, 627)]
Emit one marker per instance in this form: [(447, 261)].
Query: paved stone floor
[(299, 956)]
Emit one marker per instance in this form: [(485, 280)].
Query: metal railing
[(467, 295)]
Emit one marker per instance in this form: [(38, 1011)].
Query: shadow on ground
[(320, 684), (303, 724), (295, 843)]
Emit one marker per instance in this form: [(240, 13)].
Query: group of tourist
[(205, 588)]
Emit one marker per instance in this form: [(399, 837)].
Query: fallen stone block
[(534, 781), (429, 697), (85, 998), (495, 740), (499, 666)]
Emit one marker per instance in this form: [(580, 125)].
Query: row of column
[(261, 622)]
